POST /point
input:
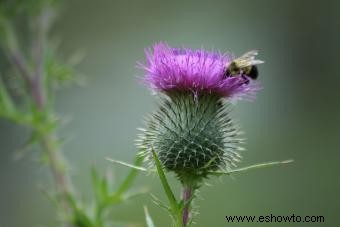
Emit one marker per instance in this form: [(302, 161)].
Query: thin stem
[(14, 54), (187, 193), (40, 27), (34, 80), (49, 140), (17, 59), (57, 166)]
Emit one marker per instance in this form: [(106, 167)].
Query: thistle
[(191, 132)]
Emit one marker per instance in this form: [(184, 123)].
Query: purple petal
[(181, 69)]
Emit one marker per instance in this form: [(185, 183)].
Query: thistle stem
[(34, 79), (187, 193), (57, 166)]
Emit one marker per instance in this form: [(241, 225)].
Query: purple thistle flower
[(191, 133), (199, 71)]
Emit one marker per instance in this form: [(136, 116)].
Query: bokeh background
[(296, 115)]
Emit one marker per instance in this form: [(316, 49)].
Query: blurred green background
[(296, 115)]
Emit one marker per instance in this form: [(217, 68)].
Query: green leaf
[(6, 104), (57, 71), (80, 219), (134, 193), (9, 111), (165, 184), (100, 186), (159, 203), (251, 167), (32, 140), (79, 216), (127, 165), (148, 219), (127, 183), (8, 38)]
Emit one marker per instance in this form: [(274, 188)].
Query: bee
[(244, 66)]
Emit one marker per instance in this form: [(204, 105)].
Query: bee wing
[(248, 59), (250, 54)]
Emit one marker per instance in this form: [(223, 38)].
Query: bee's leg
[(245, 78), (226, 73)]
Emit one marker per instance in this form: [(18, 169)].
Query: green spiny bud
[(192, 135)]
